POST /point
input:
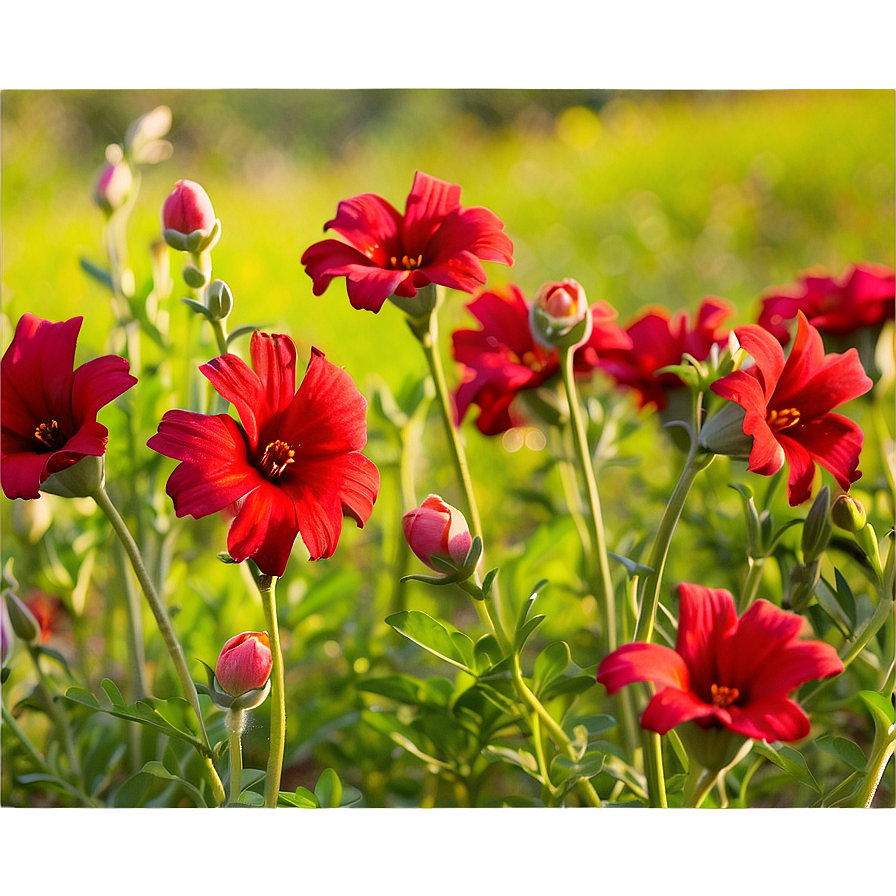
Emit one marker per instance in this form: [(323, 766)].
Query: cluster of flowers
[(291, 464)]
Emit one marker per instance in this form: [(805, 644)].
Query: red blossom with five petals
[(659, 340), (49, 409), (385, 253), (291, 466), (502, 358), (725, 671), (863, 296), (788, 407)]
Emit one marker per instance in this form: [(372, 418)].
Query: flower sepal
[(724, 433), (418, 307), (80, 480), (454, 573), (559, 315), (251, 699), (715, 747), (22, 621)]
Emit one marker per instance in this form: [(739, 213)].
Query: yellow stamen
[(49, 434), (783, 419), (276, 458), (723, 696)]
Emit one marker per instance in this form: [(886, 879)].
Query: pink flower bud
[(188, 209), (437, 529), (245, 663), (560, 316), (113, 186), (562, 300)]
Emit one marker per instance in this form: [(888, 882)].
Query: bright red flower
[(660, 340), (724, 671), (386, 253), (788, 407), (291, 466), (49, 409), (503, 358), (863, 296)]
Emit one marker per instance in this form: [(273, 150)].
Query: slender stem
[(235, 722), (485, 616), (136, 656), (698, 784), (60, 719), (751, 585), (547, 789), (555, 732), (220, 335), (39, 760), (158, 608), (653, 581), (567, 475), (599, 564), (875, 772), (427, 332), (266, 587), (654, 771)]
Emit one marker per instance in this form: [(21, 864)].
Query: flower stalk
[(267, 590), (235, 723)]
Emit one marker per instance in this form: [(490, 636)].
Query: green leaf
[(520, 758), (551, 663), (101, 275), (881, 708), (303, 798), (158, 770), (523, 634), (198, 307), (844, 750), (132, 793), (431, 635), (790, 761), (631, 567), (486, 653), (244, 330), (328, 789)]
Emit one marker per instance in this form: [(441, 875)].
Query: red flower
[(502, 358), (788, 407), (660, 340), (45, 610), (187, 209), (49, 409), (291, 466), (386, 253), (863, 296), (724, 671)]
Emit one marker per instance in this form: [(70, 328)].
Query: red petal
[(792, 666), (839, 379), (328, 415), (368, 287), (98, 382), (640, 661), (90, 439), (370, 224), (671, 707), (766, 351), (775, 718), (761, 632), (274, 360), (706, 619), (22, 473), (237, 383), (428, 204), (265, 529)]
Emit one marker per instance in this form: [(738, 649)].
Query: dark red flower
[(45, 610), (863, 296), (291, 466), (386, 253), (503, 358), (724, 671), (659, 340), (788, 407), (49, 409)]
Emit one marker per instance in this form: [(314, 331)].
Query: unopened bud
[(188, 218), (849, 514), (559, 316), (220, 299), (724, 434), (438, 530), (817, 529), (23, 621), (113, 186), (803, 579), (244, 663)]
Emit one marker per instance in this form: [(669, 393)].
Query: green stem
[(158, 608), (599, 565), (879, 759), (220, 335), (266, 587), (427, 332), (235, 722), (555, 732), (698, 785), (60, 719), (751, 585), (40, 761), (484, 615)]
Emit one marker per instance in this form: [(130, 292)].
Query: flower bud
[(724, 433), (559, 316), (245, 663), (220, 299), (113, 186), (436, 529), (22, 620), (849, 514), (817, 529), (80, 480), (188, 218)]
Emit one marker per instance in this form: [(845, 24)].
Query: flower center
[(723, 696), (276, 458), (783, 419), (50, 435), (406, 263), (529, 359)]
